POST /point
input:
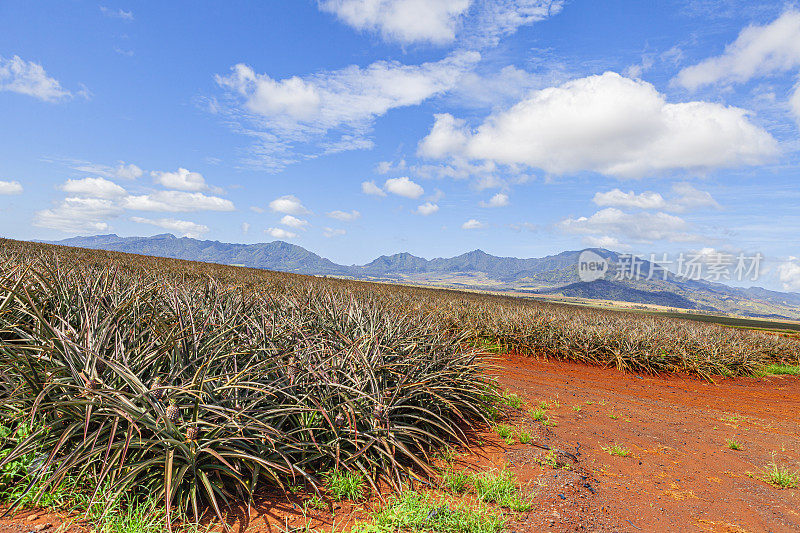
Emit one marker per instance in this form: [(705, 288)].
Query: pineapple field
[(199, 385)]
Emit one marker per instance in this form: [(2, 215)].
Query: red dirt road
[(681, 476)]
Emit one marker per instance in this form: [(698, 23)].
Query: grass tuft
[(500, 487), (617, 450), (415, 512), (781, 476), (780, 369), (732, 444), (345, 485)]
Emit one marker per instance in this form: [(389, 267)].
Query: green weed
[(617, 450), (500, 488), (345, 485), (415, 512)]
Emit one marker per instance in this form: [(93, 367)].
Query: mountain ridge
[(553, 275)]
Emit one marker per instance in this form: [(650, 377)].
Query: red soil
[(680, 476)]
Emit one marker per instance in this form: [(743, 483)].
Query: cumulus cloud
[(473, 224), (428, 208), (689, 197), (605, 241), (289, 205), (757, 51), (481, 22), (789, 274), (280, 233), (369, 187), (333, 232), (121, 171), (185, 228), (10, 187), (639, 227), (286, 114), (78, 215), (345, 216), (245, 227), (177, 201), (403, 21), (607, 124), (404, 187), (618, 198), (685, 197), (182, 179), (29, 78), (294, 222), (95, 187), (498, 200)]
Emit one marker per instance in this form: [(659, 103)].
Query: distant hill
[(551, 275)]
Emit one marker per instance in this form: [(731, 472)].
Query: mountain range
[(553, 276)]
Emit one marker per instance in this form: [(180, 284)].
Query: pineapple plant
[(173, 411), (192, 432)]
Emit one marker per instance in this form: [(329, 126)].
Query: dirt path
[(681, 476)]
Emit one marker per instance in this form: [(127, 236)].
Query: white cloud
[(608, 124), (757, 51), (185, 228), (686, 197), (283, 115), (294, 222), (245, 227), (605, 241), (117, 13), (78, 215), (640, 227), (497, 18), (794, 103), (689, 197), (480, 22), (369, 187), (403, 21), (333, 232), (789, 274), (256, 209), (498, 200), (94, 187), (121, 171), (473, 224), (289, 204), (428, 208), (29, 78), (280, 233), (177, 201), (10, 187), (345, 216), (404, 187), (350, 96), (182, 179), (618, 198)]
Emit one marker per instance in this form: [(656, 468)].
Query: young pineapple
[(192, 432), (173, 412)]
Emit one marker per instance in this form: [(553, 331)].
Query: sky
[(356, 128)]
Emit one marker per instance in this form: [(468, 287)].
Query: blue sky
[(357, 128)]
